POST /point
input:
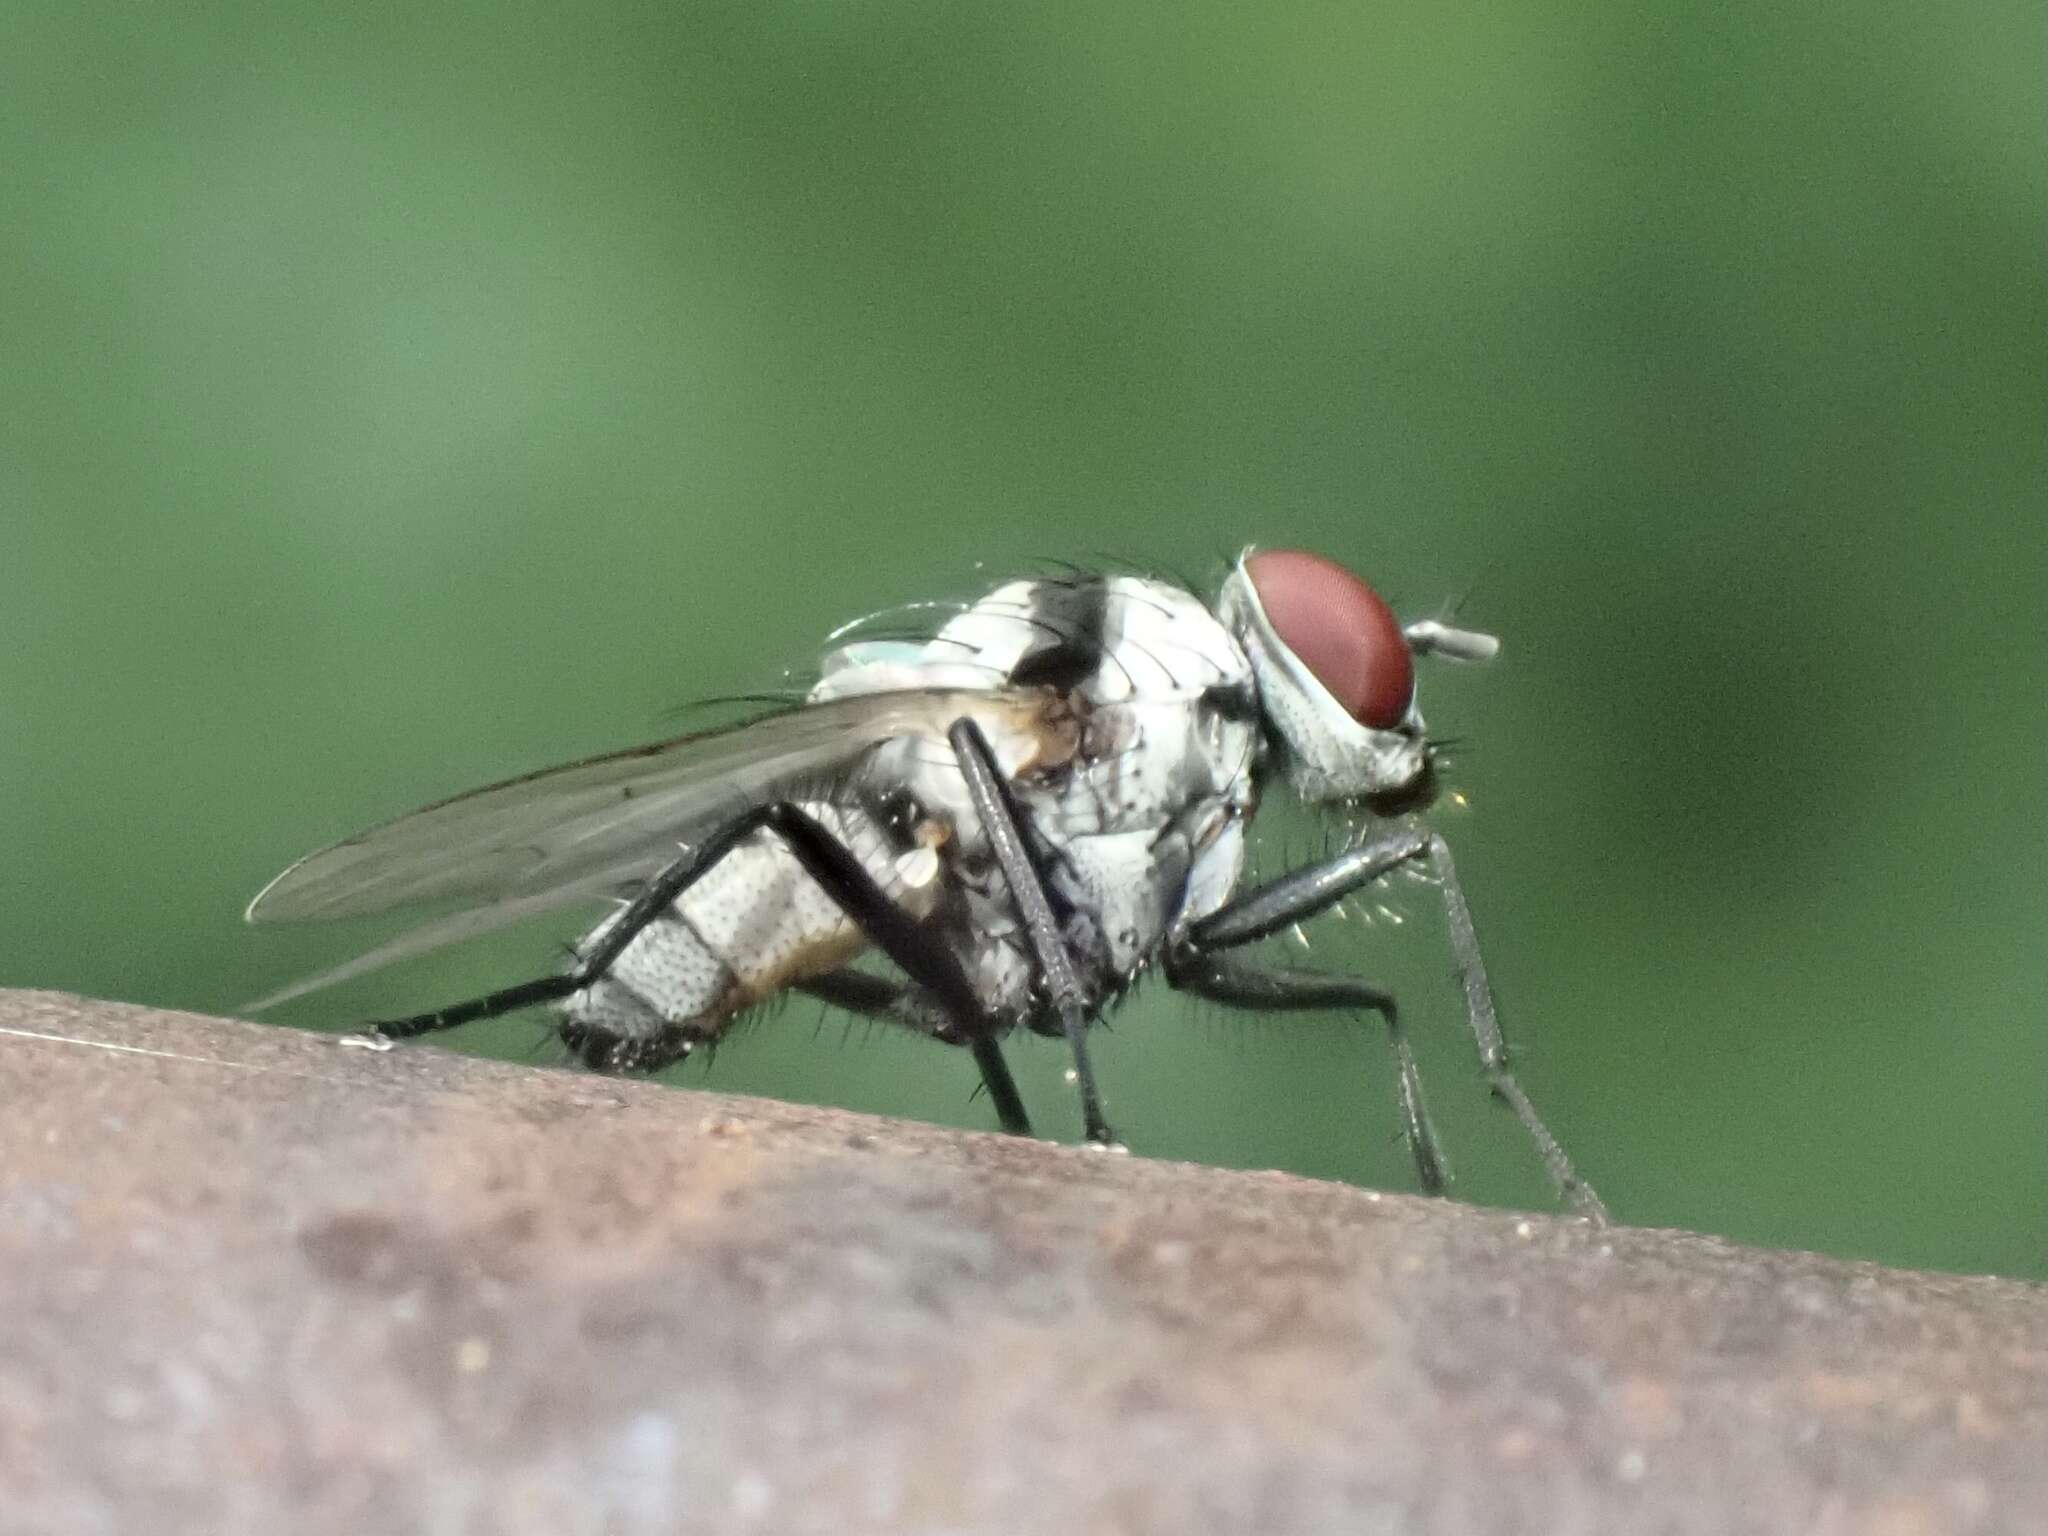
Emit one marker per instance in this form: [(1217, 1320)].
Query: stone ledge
[(256, 1281)]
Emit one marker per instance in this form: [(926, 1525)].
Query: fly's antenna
[(1430, 637)]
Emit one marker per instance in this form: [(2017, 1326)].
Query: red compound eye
[(1342, 630)]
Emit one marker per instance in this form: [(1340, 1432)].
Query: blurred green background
[(399, 397)]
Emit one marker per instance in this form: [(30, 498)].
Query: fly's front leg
[(1302, 893), (999, 821), (1277, 991), (1306, 892), (823, 857), (1493, 1046), (878, 997)]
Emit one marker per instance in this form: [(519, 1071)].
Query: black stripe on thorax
[(1082, 625)]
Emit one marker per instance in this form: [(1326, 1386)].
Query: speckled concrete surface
[(257, 1281)]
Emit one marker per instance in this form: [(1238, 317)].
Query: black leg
[(1027, 888), (838, 872), (1493, 1049), (1276, 991), (879, 997), (1302, 893), (1306, 892), (1002, 1088)]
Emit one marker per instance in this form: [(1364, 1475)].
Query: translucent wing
[(586, 830)]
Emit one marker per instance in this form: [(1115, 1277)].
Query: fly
[(1040, 796)]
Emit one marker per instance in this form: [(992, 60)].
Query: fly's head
[(1335, 671)]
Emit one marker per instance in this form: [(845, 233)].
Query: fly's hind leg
[(878, 997), (824, 858)]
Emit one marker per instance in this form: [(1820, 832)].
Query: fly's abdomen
[(754, 924)]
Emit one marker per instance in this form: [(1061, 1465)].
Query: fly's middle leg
[(1000, 824), (1286, 990)]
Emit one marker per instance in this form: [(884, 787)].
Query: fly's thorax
[(1142, 766), (1123, 894), (1105, 638), (1146, 825), (1126, 889), (1143, 794), (1217, 845)]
